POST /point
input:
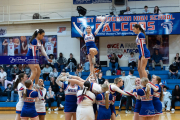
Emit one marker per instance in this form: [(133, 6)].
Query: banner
[(61, 31), (160, 43), (83, 50), (19, 45), (154, 24), (91, 1)]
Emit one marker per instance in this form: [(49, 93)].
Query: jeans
[(79, 74), (59, 101), (12, 96), (174, 99), (56, 65), (8, 95), (71, 66), (171, 75), (159, 63), (86, 66), (111, 65), (49, 101)]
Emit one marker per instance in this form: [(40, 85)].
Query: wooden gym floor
[(10, 115)]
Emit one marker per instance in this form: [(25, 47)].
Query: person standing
[(166, 99)]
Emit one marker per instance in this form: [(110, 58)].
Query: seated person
[(132, 61), (46, 71), (100, 79), (7, 92), (87, 64), (79, 70), (97, 68), (175, 97), (3, 76), (113, 62), (177, 60), (71, 63), (157, 59), (173, 70), (60, 97), (166, 99), (128, 11)]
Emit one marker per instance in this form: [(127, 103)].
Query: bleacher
[(162, 73)]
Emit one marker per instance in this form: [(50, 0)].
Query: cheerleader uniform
[(138, 103), (29, 110), (113, 100), (147, 108), (103, 113), (40, 105), (141, 44), (70, 97), (156, 101), (20, 103), (35, 45), (85, 109)]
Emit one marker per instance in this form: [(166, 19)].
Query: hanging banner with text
[(122, 25), (91, 1)]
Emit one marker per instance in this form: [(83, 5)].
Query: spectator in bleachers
[(132, 61), (7, 67), (100, 79), (14, 71), (113, 63), (79, 70), (173, 71), (166, 99), (97, 68), (129, 85), (7, 92), (1, 92), (157, 10), (3, 76), (51, 56), (157, 60), (60, 98), (46, 71), (145, 11), (128, 11), (21, 68), (177, 60), (54, 73), (13, 93), (175, 97), (87, 65), (42, 66), (123, 75), (27, 70), (71, 63), (49, 97), (60, 62), (54, 85)]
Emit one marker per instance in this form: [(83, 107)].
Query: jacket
[(129, 83)]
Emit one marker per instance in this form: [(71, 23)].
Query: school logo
[(168, 25), (61, 29), (2, 31)]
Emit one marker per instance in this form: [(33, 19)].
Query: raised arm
[(79, 31), (4, 42), (99, 27)]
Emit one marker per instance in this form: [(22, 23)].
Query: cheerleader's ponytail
[(105, 89), (86, 87), (28, 83)]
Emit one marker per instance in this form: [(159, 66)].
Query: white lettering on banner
[(122, 50)]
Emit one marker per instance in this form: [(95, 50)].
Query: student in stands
[(71, 63), (145, 11), (97, 68), (177, 60), (14, 71), (7, 92), (113, 62), (50, 97), (79, 70), (166, 99), (123, 73), (54, 85), (132, 61), (100, 79), (54, 73), (157, 10), (60, 62), (157, 59), (51, 56), (60, 97), (128, 11), (173, 71), (175, 97), (46, 71), (87, 64), (3, 76), (27, 70)]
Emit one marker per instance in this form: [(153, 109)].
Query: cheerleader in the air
[(40, 105), (144, 53), (36, 45), (29, 96), (85, 101), (89, 39), (157, 96), (70, 91), (20, 86), (104, 100), (146, 96)]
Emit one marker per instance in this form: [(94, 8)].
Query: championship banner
[(122, 25), (17, 47), (91, 1), (122, 49), (83, 50), (160, 43)]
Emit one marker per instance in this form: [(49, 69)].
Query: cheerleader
[(85, 100), (40, 105), (36, 45), (70, 91), (144, 53), (104, 100), (19, 84), (157, 96), (29, 96), (138, 101), (89, 39), (146, 96)]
